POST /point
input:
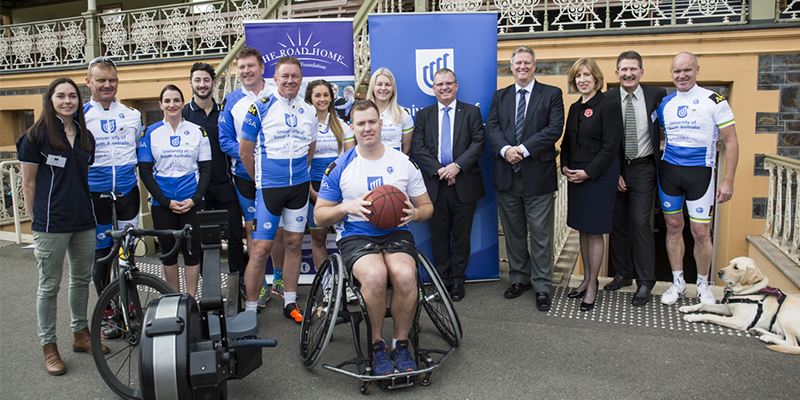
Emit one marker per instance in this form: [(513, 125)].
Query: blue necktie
[(447, 148), (519, 123)]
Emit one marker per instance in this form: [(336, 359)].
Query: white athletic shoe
[(705, 295), (351, 296), (673, 294)]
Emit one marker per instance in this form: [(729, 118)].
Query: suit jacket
[(467, 149), (544, 123), (593, 134), (652, 98)]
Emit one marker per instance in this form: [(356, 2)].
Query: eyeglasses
[(103, 60), (442, 84)]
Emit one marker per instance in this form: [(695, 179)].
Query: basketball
[(387, 206)]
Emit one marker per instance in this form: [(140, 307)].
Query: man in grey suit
[(525, 121), (632, 241), (447, 143)]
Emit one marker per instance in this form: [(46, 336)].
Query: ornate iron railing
[(12, 203), (783, 208), (45, 44), (789, 13), (560, 230)]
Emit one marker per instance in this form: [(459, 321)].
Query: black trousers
[(632, 239), (224, 198), (451, 226)]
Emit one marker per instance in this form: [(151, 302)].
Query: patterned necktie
[(447, 147), (631, 137), (520, 122)]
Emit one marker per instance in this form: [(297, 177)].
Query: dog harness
[(767, 291)]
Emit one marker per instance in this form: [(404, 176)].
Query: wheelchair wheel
[(436, 302), (120, 367), (322, 307)]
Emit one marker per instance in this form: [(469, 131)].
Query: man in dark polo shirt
[(220, 195)]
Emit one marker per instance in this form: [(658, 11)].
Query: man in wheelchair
[(375, 256)]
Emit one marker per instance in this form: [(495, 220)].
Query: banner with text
[(414, 46)]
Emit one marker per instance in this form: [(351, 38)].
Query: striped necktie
[(631, 137), (520, 122)]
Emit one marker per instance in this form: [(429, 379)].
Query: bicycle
[(128, 297)]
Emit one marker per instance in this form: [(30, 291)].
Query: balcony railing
[(783, 209), (12, 204), (212, 27)]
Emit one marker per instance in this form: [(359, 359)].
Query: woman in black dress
[(589, 161)]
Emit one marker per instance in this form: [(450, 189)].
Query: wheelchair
[(325, 309), (190, 351)]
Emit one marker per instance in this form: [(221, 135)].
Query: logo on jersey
[(667, 204), (695, 101), (185, 132), (291, 120), (142, 143), (699, 210), (374, 181), (250, 122), (428, 61), (251, 209), (301, 111), (300, 219), (717, 98), (175, 141), (267, 225), (121, 115), (389, 169), (108, 125), (203, 130), (683, 111), (101, 236), (252, 109)]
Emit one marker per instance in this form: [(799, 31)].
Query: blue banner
[(413, 47), (323, 46)]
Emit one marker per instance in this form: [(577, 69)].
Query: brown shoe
[(52, 360), (81, 342)]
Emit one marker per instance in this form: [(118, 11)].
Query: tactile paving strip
[(4, 243), (616, 308)]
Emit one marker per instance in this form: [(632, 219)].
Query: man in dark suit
[(632, 241), (525, 121), (447, 153)]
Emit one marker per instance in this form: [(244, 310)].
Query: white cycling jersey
[(327, 149), (282, 130), (231, 117), (392, 132), (691, 121), (116, 133)]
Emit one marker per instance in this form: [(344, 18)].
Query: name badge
[(56, 160)]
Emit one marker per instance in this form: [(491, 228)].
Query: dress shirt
[(642, 124), (517, 87)]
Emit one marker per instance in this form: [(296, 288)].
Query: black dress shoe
[(618, 283), (576, 294), (457, 291), (642, 296), (542, 301), (587, 306), (516, 290)]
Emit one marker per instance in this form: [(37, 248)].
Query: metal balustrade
[(783, 210)]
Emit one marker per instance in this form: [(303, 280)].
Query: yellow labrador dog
[(749, 304)]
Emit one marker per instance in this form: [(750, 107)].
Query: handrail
[(783, 161)]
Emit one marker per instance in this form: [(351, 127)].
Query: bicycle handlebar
[(119, 235)]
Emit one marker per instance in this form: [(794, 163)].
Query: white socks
[(251, 305), (289, 298), (677, 279)]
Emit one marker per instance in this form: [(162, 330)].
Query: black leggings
[(164, 218)]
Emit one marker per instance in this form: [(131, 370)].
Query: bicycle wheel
[(437, 303), (120, 367), (322, 307)]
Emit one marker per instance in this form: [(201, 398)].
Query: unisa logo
[(683, 111), (428, 61)]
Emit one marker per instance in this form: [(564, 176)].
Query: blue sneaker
[(402, 357), (381, 362)]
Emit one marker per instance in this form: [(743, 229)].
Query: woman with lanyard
[(397, 123), (55, 154), (334, 138), (175, 166)]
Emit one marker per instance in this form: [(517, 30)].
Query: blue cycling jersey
[(116, 132)]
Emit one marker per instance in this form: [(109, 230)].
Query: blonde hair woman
[(397, 123)]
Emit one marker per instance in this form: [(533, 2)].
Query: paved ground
[(510, 350)]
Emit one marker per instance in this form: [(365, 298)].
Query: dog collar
[(767, 291)]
